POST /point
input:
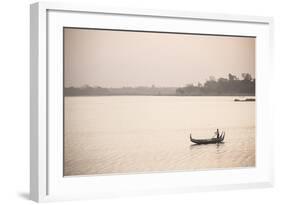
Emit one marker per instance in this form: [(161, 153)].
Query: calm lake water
[(131, 134)]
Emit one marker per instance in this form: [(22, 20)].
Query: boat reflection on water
[(209, 152), (199, 146)]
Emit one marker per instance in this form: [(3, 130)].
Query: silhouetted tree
[(232, 77), (246, 76)]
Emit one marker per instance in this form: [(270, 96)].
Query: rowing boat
[(214, 140)]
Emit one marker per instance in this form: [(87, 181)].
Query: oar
[(222, 136)]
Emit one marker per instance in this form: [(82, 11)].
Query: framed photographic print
[(131, 102)]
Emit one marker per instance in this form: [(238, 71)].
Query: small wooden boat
[(214, 140), (245, 100)]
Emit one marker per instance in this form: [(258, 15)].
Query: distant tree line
[(86, 90), (100, 91), (233, 86)]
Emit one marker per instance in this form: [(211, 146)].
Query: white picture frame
[(46, 179)]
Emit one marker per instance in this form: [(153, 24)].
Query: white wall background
[(14, 103)]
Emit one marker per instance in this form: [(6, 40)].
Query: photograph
[(148, 102)]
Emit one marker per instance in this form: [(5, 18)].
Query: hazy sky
[(124, 58)]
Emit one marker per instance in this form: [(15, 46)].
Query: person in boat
[(217, 133)]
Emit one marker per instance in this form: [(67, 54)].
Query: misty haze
[(132, 101)]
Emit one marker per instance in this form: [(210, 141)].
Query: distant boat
[(213, 140), (245, 100)]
